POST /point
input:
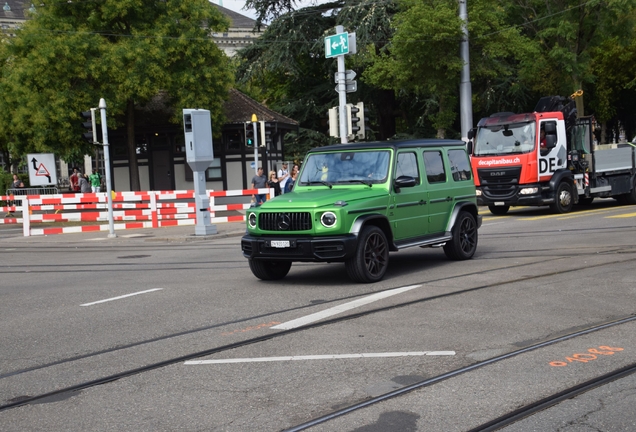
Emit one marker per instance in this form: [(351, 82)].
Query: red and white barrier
[(139, 209)]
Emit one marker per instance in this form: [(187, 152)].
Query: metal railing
[(42, 190)]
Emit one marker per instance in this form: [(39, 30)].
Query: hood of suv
[(324, 197)]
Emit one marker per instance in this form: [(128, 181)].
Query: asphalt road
[(158, 331)]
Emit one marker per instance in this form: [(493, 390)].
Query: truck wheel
[(464, 242), (269, 270), (630, 197), (498, 210), (371, 258), (563, 199)]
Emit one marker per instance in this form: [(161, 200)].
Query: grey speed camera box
[(197, 128)]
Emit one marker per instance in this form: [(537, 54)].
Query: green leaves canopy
[(71, 54)]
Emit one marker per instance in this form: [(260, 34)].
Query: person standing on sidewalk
[(96, 181), (84, 185), (283, 177), (74, 180), (259, 181)]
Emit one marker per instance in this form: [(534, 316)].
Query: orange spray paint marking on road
[(591, 354)]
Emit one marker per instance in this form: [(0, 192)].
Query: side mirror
[(469, 147), (404, 181), (471, 134), (550, 141), (550, 128)]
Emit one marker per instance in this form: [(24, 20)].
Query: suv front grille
[(288, 221), (499, 182)]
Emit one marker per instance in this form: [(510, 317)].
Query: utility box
[(197, 129)]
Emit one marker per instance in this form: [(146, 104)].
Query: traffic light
[(362, 115), (90, 125), (334, 123), (249, 134), (356, 121), (353, 120), (250, 138)]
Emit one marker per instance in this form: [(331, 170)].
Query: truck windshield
[(352, 167), (503, 139)]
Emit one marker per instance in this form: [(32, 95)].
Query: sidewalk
[(176, 234)]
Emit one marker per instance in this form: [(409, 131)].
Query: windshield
[(513, 138), (367, 167)]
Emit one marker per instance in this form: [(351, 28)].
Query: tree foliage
[(409, 65), (129, 52)]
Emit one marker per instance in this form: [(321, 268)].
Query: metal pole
[(254, 123), (109, 198), (465, 89), (342, 94)]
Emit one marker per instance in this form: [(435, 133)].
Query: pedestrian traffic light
[(249, 134), (90, 125), (333, 122)]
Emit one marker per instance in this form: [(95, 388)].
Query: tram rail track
[(504, 420), (23, 400)]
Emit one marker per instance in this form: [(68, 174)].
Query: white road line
[(321, 357), (342, 308), (121, 297)]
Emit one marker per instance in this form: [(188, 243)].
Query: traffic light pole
[(109, 198), (342, 94), (254, 125)]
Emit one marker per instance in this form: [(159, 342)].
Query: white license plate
[(280, 243), (500, 203)]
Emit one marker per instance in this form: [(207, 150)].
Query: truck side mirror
[(550, 141), (550, 128), (469, 147), (471, 134)]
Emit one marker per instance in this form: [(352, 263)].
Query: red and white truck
[(548, 157)]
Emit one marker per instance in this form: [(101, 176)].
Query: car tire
[(498, 210), (563, 199), (371, 257), (464, 242), (269, 270)]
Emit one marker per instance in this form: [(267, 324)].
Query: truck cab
[(515, 157)]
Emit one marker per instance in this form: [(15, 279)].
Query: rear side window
[(407, 166), (434, 166), (459, 165)]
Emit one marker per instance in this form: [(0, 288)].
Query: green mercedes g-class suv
[(355, 203)]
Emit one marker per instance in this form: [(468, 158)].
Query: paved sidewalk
[(177, 234)]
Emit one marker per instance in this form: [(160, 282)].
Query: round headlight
[(251, 220), (328, 219)]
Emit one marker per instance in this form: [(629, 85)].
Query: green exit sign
[(337, 45)]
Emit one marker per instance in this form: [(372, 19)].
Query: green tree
[(286, 67), (130, 52), (423, 59), (566, 35)]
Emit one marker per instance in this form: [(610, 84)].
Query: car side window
[(407, 166), (434, 166), (459, 165)]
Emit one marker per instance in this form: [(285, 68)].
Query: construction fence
[(131, 210)]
